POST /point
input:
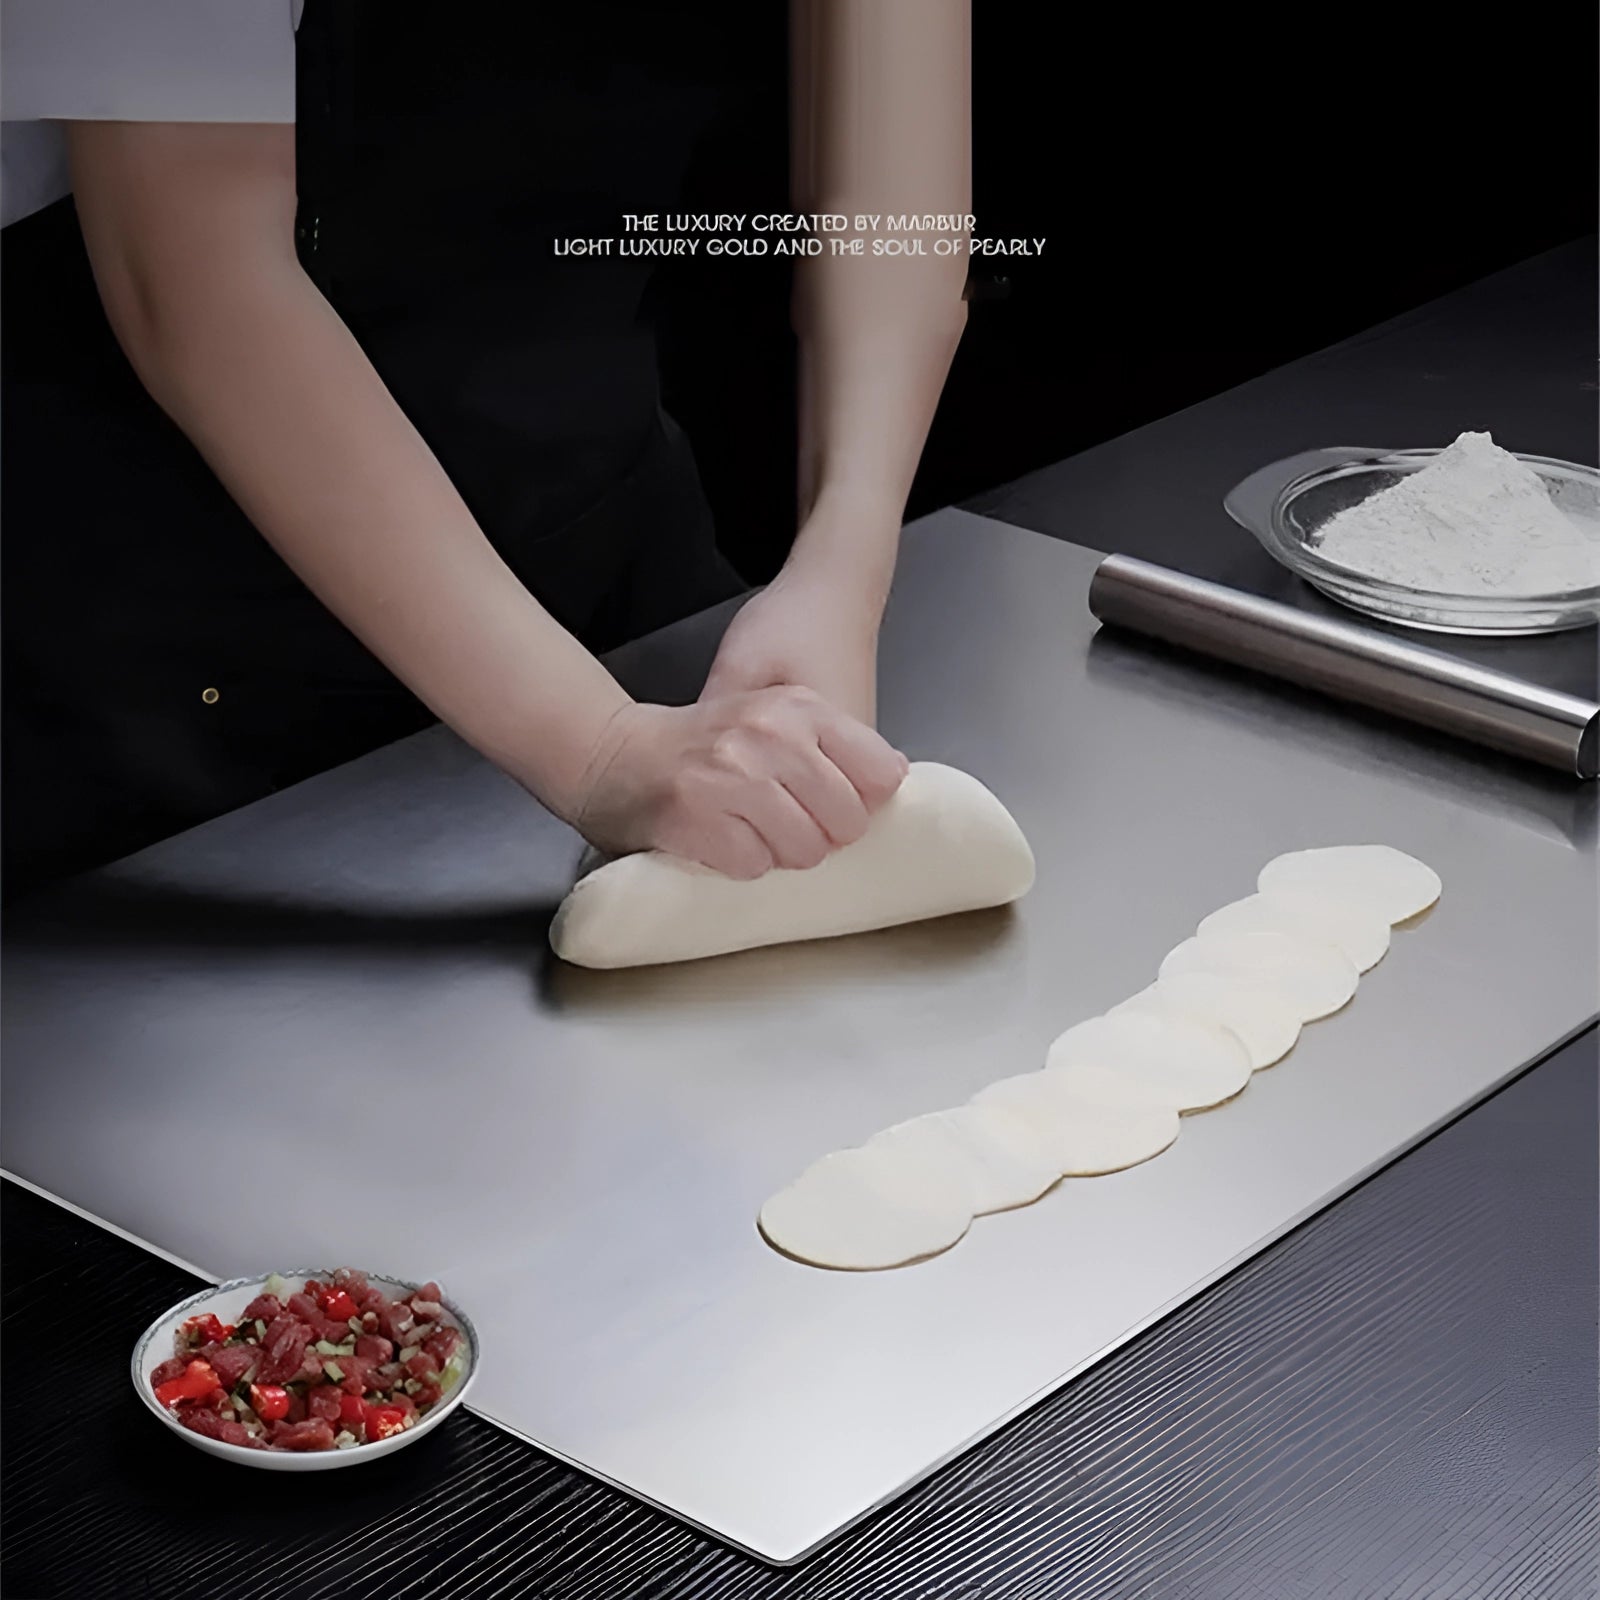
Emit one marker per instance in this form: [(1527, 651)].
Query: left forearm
[(881, 127)]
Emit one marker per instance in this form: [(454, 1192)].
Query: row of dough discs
[(1227, 1002)]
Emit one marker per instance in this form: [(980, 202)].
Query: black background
[(1218, 197)]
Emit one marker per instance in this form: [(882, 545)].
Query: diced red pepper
[(336, 1303), (173, 1367), (206, 1329), (349, 1278), (352, 1409), (384, 1421), (269, 1401), (197, 1382)]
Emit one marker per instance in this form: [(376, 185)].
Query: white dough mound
[(942, 844)]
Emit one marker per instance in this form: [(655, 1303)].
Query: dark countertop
[(1397, 1400)]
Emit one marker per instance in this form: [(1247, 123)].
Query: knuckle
[(766, 721)]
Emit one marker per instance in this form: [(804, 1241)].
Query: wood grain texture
[(1396, 1402)]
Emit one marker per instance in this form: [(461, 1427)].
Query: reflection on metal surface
[(1351, 662), (1230, 697)]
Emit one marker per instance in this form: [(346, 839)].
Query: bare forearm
[(882, 126), (296, 423), (275, 392)]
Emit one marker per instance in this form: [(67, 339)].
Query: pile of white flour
[(1475, 520)]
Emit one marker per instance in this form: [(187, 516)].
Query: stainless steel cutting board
[(325, 1028)]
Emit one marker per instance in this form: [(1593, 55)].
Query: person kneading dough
[(942, 844)]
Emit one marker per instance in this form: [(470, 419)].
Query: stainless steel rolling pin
[(1352, 663)]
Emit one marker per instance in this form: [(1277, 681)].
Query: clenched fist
[(741, 783)]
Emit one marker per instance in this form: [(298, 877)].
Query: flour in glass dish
[(1475, 520)]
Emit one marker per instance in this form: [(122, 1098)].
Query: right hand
[(743, 783)]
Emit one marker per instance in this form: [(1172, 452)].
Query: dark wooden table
[(1396, 1401)]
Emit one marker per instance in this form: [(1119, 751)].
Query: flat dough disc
[(1086, 1138), (942, 844), (1349, 925), (1260, 1017), (1394, 885), (1140, 1056), (1316, 978), (866, 1209), (991, 1155)]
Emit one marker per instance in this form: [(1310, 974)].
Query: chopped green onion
[(333, 1370)]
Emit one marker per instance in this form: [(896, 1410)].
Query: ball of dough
[(942, 844)]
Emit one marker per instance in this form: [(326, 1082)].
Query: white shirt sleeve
[(133, 61)]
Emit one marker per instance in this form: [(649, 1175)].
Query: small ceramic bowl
[(227, 1301)]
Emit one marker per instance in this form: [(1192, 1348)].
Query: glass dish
[(1284, 505)]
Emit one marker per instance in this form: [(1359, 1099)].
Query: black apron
[(161, 663)]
